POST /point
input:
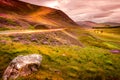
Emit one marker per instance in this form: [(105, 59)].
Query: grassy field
[(65, 62), (106, 37), (94, 61), (111, 34)]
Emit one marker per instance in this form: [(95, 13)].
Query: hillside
[(112, 23), (25, 14)]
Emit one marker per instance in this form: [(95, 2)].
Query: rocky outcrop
[(22, 66)]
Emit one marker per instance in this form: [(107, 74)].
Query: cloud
[(81, 10)]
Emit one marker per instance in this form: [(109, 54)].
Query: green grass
[(92, 39), (111, 34), (111, 30), (65, 62)]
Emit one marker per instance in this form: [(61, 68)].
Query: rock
[(45, 42), (16, 39), (34, 40), (22, 66), (3, 41)]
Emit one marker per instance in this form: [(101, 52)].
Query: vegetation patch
[(64, 62)]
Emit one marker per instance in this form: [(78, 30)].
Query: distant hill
[(26, 14), (90, 24), (112, 23)]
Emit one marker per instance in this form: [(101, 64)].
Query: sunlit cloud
[(81, 10), (52, 4)]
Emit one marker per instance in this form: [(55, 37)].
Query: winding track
[(10, 32)]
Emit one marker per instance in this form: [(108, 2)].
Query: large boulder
[(22, 66)]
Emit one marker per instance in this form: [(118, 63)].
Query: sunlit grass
[(110, 34), (108, 38), (65, 62)]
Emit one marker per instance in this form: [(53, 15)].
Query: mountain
[(25, 14), (90, 24), (112, 24)]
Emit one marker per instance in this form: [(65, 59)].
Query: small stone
[(45, 42), (34, 40), (16, 39)]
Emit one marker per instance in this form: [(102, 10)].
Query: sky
[(85, 10)]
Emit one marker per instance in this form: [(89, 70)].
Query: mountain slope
[(18, 10)]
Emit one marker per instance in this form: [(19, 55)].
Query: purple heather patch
[(115, 51)]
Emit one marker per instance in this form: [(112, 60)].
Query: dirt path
[(10, 32)]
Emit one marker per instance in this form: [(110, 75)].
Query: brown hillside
[(36, 13)]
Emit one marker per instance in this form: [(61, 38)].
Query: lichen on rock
[(22, 66)]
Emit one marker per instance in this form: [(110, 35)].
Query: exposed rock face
[(22, 66)]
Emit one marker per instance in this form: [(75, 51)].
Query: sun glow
[(52, 4)]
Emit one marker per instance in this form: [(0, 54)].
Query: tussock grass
[(65, 62)]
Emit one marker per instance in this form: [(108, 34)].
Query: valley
[(70, 51)]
